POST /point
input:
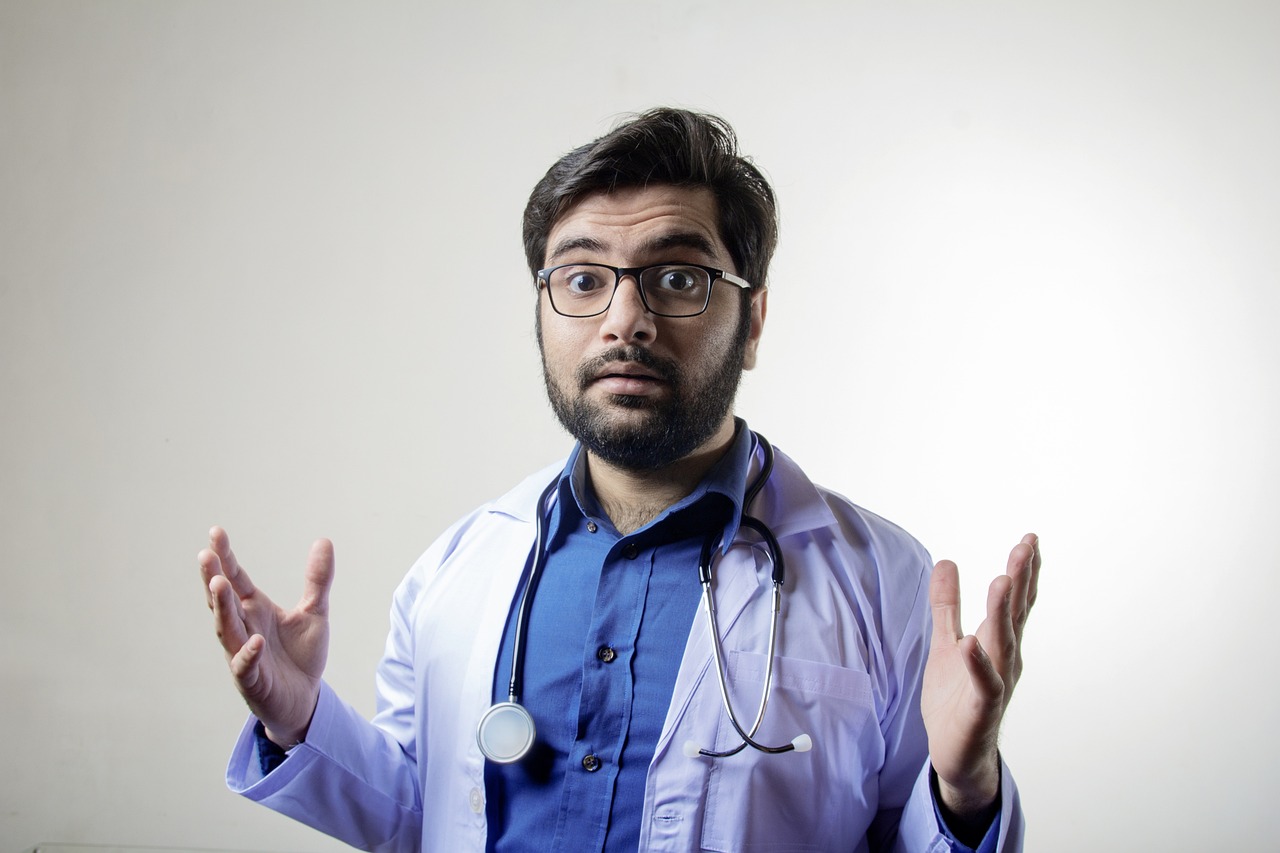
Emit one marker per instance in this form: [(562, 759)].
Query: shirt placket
[(604, 713)]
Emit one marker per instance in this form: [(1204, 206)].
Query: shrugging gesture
[(969, 680), (276, 656)]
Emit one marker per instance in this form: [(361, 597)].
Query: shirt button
[(590, 764), (591, 527), (477, 801), (631, 551), (606, 654)]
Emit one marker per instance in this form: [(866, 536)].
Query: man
[(650, 248)]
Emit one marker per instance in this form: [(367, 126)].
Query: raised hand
[(276, 656), (969, 680)]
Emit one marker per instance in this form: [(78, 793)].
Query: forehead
[(637, 220)]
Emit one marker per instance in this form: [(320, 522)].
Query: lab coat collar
[(790, 503)]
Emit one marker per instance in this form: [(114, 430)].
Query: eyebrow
[(573, 244), (682, 240), (675, 240)]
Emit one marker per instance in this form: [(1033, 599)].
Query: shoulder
[(795, 504), (494, 524), (849, 551)]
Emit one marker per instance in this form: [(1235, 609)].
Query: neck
[(632, 499)]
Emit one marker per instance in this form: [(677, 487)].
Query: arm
[(346, 777), (968, 682)]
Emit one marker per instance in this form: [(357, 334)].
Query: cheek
[(713, 344), (560, 344)]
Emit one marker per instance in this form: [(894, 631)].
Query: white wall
[(1027, 280)]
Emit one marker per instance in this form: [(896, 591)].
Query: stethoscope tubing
[(512, 712), (530, 589)]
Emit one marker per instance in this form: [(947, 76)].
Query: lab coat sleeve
[(366, 782), (354, 780), (349, 779)]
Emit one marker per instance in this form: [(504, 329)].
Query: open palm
[(276, 656), (968, 680)]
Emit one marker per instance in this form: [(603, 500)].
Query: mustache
[(666, 369)]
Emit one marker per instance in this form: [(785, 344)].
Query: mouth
[(626, 370), (627, 379)]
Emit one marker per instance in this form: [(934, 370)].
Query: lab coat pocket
[(823, 799)]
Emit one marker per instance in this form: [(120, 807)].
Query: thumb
[(318, 579), (244, 664), (944, 601)]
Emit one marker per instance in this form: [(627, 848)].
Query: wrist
[(286, 739), (967, 812), (288, 730), (974, 796)]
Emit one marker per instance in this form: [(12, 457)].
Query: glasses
[(667, 290)]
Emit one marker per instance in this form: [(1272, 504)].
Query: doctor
[(649, 249)]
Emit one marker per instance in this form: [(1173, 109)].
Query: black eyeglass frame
[(544, 279)]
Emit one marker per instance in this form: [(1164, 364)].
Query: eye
[(678, 279), (579, 281)]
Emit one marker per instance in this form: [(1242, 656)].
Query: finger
[(998, 635), (1034, 541), (318, 579), (228, 619), (944, 601), (1019, 573), (210, 568), (1000, 595), (220, 544)]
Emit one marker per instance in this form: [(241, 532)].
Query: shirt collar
[(727, 477)]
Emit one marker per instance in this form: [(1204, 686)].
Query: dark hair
[(664, 146)]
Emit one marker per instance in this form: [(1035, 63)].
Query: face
[(639, 391)]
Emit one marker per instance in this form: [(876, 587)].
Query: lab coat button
[(477, 801), (606, 654), (591, 764)]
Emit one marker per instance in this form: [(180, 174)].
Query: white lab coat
[(851, 652)]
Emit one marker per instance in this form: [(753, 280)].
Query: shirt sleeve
[(270, 754), (921, 829), (990, 838)]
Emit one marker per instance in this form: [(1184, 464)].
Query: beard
[(671, 428)]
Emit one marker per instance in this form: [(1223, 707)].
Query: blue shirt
[(606, 636)]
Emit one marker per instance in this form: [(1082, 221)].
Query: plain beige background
[(260, 266)]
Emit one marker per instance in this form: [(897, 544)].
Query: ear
[(759, 306)]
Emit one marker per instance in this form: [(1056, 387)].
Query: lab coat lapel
[(791, 505), (508, 553)]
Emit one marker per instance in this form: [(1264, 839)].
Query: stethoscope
[(506, 732)]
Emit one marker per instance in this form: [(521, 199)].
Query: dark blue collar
[(726, 478)]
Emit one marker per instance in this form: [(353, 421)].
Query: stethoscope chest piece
[(506, 732)]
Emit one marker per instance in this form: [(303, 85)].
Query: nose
[(628, 320)]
